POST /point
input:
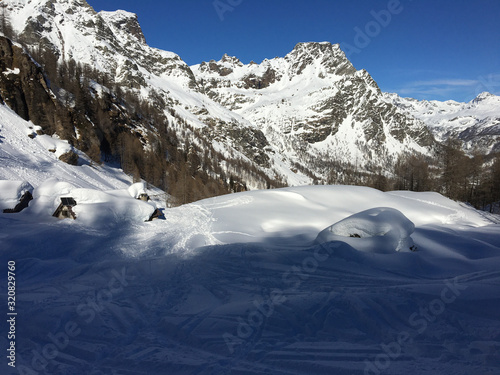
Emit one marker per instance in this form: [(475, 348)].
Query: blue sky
[(426, 49)]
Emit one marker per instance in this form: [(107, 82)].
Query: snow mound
[(137, 189), (380, 230), (99, 208), (46, 197), (11, 192)]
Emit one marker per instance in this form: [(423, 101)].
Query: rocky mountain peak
[(111, 42), (126, 22), (223, 67), (482, 97), (231, 60), (323, 47), (328, 56), (370, 82)]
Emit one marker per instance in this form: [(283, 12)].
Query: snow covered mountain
[(476, 123), (303, 280), (292, 118), (113, 44), (313, 105)]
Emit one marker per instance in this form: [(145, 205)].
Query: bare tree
[(454, 166)]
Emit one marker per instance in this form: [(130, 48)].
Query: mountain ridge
[(476, 123), (334, 92)]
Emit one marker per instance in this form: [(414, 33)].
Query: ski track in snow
[(179, 307)]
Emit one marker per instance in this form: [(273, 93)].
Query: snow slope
[(29, 159), (32, 162), (239, 284)]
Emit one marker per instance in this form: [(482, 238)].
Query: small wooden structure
[(143, 197), (65, 209), (23, 203), (157, 214)]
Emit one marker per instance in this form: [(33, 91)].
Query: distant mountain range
[(285, 121), (476, 123)]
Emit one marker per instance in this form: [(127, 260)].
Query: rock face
[(23, 86), (127, 22), (311, 108), (25, 89)]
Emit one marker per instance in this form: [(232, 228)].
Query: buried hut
[(65, 209), (15, 196), (138, 191), (105, 204), (157, 214)]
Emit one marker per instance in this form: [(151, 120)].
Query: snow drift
[(381, 230)]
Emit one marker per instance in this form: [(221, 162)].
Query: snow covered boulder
[(14, 195), (70, 157), (377, 230), (61, 148)]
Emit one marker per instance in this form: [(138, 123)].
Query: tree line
[(474, 179)]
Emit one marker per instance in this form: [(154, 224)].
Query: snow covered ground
[(262, 282)]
